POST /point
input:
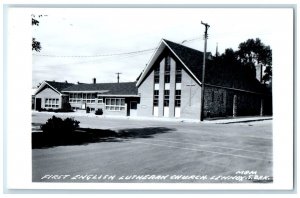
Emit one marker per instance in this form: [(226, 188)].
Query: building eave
[(235, 89), (89, 91), (197, 80), (151, 62), (44, 83), (115, 95)]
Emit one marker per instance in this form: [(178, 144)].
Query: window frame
[(155, 98), (166, 98), (177, 98), (117, 106), (52, 103)]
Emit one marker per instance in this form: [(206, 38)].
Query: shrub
[(66, 107), (56, 125), (99, 112)]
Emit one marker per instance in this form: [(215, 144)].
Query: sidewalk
[(221, 120), (230, 120)]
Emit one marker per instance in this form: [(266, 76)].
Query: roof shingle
[(59, 86), (214, 74), (123, 88), (192, 58)]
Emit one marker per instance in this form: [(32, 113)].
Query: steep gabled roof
[(190, 58), (123, 88), (56, 86), (215, 75)]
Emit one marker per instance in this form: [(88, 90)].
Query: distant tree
[(34, 21), (36, 45), (229, 56), (252, 53)]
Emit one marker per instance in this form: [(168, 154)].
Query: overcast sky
[(101, 33)]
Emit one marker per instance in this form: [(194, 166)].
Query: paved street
[(164, 152)]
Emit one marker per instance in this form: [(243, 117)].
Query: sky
[(81, 44)]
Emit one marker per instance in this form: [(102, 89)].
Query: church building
[(170, 86)]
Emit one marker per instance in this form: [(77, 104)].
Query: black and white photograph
[(154, 96)]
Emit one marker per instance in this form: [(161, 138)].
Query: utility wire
[(132, 52), (96, 60), (99, 55), (108, 55)]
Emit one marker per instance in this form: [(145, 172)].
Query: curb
[(238, 121)]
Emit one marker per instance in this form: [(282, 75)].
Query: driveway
[(159, 151)]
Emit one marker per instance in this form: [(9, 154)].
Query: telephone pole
[(203, 71), (118, 76)]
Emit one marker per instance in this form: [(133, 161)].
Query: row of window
[(111, 104), (115, 104), (51, 102), (167, 78), (177, 98), (83, 95), (167, 72), (167, 97), (178, 79), (88, 101)]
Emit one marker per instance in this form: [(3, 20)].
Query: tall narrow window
[(177, 98), (178, 74), (167, 78), (155, 98), (167, 69), (166, 98), (168, 65), (156, 75), (178, 78)]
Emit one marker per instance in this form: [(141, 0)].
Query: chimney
[(94, 80)]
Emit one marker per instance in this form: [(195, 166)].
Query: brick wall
[(219, 102)]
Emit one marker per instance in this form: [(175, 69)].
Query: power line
[(94, 61), (98, 55), (132, 52), (109, 55)]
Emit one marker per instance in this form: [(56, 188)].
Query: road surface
[(170, 152)]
